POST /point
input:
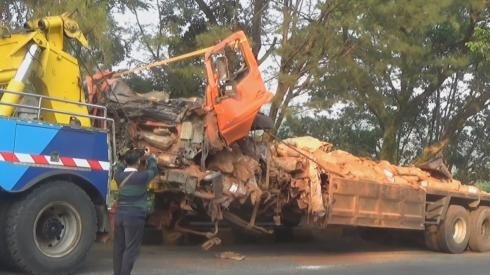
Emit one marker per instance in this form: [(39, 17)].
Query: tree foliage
[(398, 80), (419, 71), (95, 19), (403, 54)]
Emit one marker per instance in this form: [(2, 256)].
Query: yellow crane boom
[(38, 57)]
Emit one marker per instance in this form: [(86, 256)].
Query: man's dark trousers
[(128, 236)]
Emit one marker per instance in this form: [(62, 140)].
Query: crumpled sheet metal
[(297, 165), (309, 144), (346, 165), (294, 156)]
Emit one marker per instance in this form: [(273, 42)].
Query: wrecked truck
[(216, 166)]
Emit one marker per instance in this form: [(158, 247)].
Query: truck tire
[(480, 230), (454, 231), (5, 258), (283, 234), (431, 239), (51, 229)]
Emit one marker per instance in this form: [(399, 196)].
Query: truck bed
[(385, 205)]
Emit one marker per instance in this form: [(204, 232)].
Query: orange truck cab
[(236, 90)]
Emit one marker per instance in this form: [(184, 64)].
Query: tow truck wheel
[(480, 230), (51, 229), (5, 258), (454, 231)]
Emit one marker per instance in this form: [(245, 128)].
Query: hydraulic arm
[(37, 57)]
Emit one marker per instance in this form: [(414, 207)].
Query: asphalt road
[(305, 255)]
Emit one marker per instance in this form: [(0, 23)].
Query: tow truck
[(54, 163)]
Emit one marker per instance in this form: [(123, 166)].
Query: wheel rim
[(57, 229), (459, 234)]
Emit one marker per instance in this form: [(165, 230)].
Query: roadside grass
[(483, 185)]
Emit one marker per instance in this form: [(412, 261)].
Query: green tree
[(470, 154), (95, 19), (181, 27), (349, 129), (404, 53), (292, 36)]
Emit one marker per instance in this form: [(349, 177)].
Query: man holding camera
[(132, 207)]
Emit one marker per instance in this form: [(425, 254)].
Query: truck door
[(7, 128), (235, 91), (9, 175)]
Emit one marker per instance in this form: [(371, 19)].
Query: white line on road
[(311, 267)]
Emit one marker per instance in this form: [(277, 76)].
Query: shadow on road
[(301, 247)]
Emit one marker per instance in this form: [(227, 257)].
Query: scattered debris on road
[(231, 256)]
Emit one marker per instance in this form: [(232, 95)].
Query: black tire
[(283, 234), (480, 230), (454, 231), (51, 229), (5, 258), (431, 239)]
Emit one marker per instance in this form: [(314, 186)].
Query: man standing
[(132, 208)]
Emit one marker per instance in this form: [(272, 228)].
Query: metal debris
[(231, 256), (250, 182)]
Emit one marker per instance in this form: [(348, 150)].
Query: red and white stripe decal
[(65, 162)]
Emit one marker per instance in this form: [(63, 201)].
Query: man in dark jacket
[(132, 208)]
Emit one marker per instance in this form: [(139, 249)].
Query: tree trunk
[(432, 150), (256, 28), (278, 103), (389, 148), (472, 107), (282, 111)]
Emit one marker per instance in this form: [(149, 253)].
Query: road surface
[(305, 256)]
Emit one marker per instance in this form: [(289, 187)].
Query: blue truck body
[(32, 151)]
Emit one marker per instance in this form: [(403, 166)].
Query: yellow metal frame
[(53, 72)]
